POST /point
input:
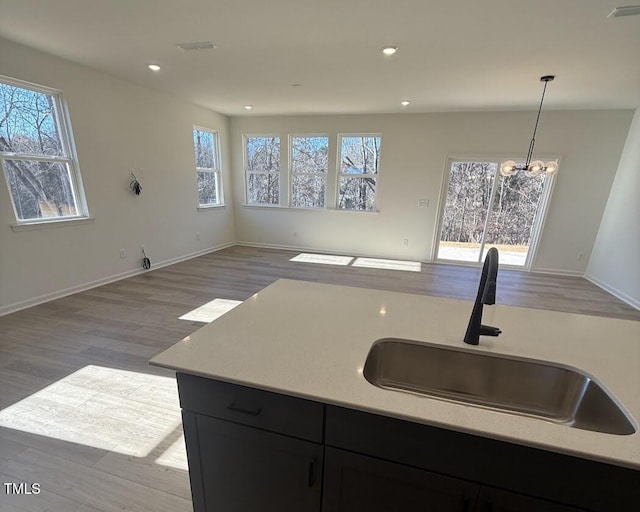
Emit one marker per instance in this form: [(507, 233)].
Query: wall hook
[(134, 185)]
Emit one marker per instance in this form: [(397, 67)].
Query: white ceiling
[(453, 55)]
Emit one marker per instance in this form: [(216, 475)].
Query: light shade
[(508, 168), (535, 168), (389, 50), (551, 168)]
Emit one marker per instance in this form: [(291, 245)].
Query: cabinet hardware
[(312, 472), (243, 410)]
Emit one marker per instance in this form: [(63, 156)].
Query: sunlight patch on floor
[(458, 253), (323, 259), (108, 408), (407, 266), (175, 456), (211, 310)]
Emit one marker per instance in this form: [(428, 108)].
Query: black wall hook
[(134, 185)]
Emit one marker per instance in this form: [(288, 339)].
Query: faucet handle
[(487, 330)]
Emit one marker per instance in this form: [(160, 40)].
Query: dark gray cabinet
[(248, 469), (356, 483), (253, 450), (496, 500)]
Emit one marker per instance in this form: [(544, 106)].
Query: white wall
[(615, 260), (117, 126), (415, 148)]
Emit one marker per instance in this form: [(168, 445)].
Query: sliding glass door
[(483, 209)]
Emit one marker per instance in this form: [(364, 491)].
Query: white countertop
[(311, 341)]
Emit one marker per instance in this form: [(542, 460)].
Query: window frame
[(340, 174), (292, 173), (68, 158), (216, 170), (539, 219), (247, 171)]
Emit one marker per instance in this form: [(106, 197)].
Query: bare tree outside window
[(205, 143), (309, 164), (35, 154), (359, 164), (262, 156), (472, 221)]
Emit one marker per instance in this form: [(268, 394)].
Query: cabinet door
[(356, 483), (495, 500), (244, 469)]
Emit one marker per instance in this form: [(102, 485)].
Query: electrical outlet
[(142, 249), (405, 242), (197, 237), (580, 256), (423, 203), (123, 253)]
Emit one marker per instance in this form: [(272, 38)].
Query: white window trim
[(247, 171), (216, 170), (340, 174), (70, 158), (292, 173)]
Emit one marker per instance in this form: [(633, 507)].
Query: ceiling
[(460, 55)]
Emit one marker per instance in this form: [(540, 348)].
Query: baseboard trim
[(556, 272), (12, 308), (633, 302)]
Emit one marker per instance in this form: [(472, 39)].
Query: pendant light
[(536, 167)]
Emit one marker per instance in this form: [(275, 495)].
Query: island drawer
[(287, 415)]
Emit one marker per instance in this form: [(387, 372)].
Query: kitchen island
[(287, 366)]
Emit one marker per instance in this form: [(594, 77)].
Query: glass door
[(483, 209)]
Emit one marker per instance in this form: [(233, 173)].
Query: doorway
[(483, 209)]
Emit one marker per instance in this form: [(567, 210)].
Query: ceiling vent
[(201, 45), (629, 10)]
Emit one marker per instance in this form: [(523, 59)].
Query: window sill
[(296, 209), (28, 226), (202, 208)]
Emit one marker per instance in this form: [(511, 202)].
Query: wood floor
[(84, 415)]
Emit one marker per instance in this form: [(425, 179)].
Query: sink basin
[(520, 386)]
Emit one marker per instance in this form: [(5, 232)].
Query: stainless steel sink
[(521, 386)]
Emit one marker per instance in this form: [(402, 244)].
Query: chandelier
[(537, 167)]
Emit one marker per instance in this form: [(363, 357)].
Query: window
[(39, 167), (358, 173), (262, 157), (483, 209), (205, 143), (309, 163)]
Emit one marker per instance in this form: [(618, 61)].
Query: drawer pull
[(313, 470), (243, 410)]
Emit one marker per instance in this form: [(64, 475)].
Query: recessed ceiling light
[(389, 50), (154, 67), (248, 107), (404, 103)]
